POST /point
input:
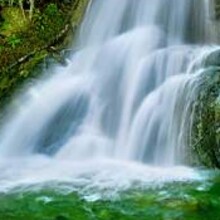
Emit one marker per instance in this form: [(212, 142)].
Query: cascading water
[(126, 93)]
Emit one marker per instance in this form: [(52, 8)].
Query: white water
[(126, 96)]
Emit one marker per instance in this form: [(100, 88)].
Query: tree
[(31, 9)]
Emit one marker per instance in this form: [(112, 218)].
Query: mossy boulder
[(205, 141)]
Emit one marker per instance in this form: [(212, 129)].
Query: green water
[(174, 201)]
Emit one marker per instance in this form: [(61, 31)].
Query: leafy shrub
[(14, 41), (51, 10)]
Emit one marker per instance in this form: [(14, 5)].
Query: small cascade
[(126, 93)]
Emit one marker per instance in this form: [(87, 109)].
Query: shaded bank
[(26, 44)]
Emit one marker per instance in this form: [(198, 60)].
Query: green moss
[(206, 120), (27, 67), (173, 201), (79, 11), (14, 21), (217, 119)]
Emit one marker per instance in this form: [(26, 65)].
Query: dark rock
[(213, 59), (205, 139), (61, 217)]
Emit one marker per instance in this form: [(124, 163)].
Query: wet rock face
[(217, 8), (213, 60), (206, 129), (217, 116)]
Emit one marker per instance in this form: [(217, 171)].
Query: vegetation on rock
[(206, 130), (27, 40)]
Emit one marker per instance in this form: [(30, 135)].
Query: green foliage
[(48, 23), (14, 21), (4, 2), (51, 10), (19, 37), (14, 41), (1, 48)]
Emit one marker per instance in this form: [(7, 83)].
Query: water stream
[(122, 107)]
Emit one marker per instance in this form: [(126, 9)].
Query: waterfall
[(126, 93)]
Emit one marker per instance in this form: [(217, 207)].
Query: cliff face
[(26, 42)]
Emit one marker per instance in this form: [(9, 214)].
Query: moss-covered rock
[(205, 139), (217, 119)]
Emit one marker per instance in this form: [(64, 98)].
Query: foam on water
[(88, 176)]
